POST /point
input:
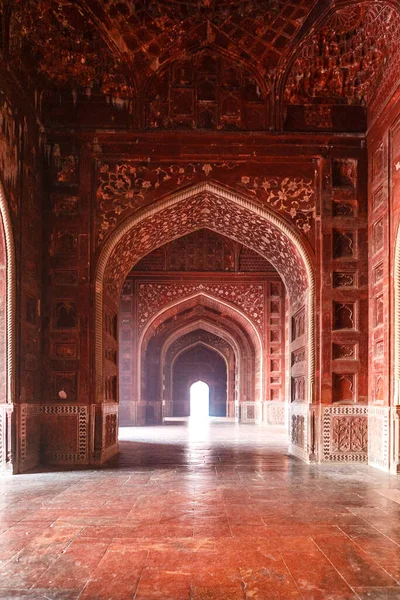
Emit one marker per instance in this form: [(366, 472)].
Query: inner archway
[(199, 401), (199, 363), (208, 205)]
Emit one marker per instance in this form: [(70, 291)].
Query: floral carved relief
[(207, 210), (153, 296), (292, 197), (129, 186)]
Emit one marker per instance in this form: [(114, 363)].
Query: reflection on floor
[(220, 513)]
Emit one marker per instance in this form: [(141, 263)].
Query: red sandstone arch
[(232, 333), (7, 336), (207, 205)]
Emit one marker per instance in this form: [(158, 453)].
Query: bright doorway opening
[(199, 401)]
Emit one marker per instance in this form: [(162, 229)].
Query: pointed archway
[(209, 205)]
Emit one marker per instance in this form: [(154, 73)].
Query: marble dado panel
[(298, 424), (125, 187), (6, 411), (345, 433), (65, 433), (250, 412), (29, 435), (247, 297), (274, 413), (378, 438), (105, 420)]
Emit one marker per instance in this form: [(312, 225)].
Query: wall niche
[(343, 387)]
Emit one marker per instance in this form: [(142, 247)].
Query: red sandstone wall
[(384, 215), (21, 161)]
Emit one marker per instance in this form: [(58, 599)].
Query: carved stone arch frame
[(205, 345), (198, 203), (203, 325), (252, 330), (7, 442)]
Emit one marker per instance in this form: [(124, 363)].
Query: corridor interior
[(201, 511)]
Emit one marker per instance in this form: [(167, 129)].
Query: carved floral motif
[(297, 430), (153, 296), (349, 433), (293, 197)]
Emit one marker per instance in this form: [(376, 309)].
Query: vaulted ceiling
[(245, 64)]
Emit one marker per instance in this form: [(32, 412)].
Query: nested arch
[(183, 316), (204, 205), (201, 331)]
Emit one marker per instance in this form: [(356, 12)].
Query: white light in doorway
[(199, 401)]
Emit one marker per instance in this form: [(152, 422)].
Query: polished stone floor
[(220, 513)]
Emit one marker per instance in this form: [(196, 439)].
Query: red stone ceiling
[(310, 51)]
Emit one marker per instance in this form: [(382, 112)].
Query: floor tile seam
[(376, 560), (140, 576), (337, 571), (373, 527), (291, 575), (55, 559)]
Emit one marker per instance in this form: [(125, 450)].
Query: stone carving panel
[(344, 279), (377, 236), (298, 389), (318, 116), (206, 90), (378, 310), (66, 433), (345, 433), (65, 314), (344, 351), (297, 435), (378, 273), (349, 434), (298, 324), (298, 356), (343, 61), (344, 173)]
